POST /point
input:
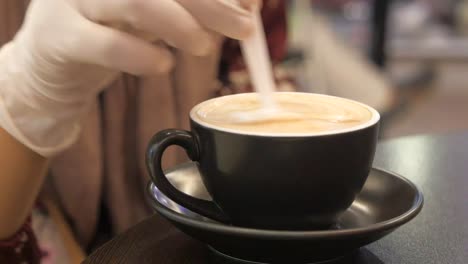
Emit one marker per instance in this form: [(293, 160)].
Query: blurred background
[(408, 59)]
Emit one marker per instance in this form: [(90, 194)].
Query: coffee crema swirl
[(303, 113)]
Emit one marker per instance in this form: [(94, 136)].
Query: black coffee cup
[(270, 181)]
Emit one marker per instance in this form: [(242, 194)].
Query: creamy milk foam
[(312, 114)]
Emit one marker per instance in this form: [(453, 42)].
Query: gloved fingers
[(225, 17), (166, 20), (119, 50)]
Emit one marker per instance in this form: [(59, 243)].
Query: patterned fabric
[(21, 248)]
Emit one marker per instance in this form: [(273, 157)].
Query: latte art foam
[(299, 113)]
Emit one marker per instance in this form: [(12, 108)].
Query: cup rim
[(373, 120)]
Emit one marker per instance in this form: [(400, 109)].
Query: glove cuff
[(40, 123)]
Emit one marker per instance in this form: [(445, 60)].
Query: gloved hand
[(68, 50)]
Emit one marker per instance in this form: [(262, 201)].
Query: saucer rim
[(293, 234)]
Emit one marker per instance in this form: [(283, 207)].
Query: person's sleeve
[(21, 248)]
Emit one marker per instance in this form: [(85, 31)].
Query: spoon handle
[(255, 52)]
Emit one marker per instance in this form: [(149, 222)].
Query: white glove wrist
[(30, 111)]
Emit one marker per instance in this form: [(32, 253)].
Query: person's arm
[(65, 53), (21, 175)]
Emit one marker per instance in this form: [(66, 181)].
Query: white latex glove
[(67, 51)]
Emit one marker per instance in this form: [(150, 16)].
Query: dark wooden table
[(439, 234)]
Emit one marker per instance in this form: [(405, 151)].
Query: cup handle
[(158, 144)]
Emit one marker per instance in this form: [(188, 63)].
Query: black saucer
[(386, 202)]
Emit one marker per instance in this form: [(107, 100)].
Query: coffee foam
[(314, 114)]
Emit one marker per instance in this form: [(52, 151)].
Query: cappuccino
[(297, 113), (297, 169)]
